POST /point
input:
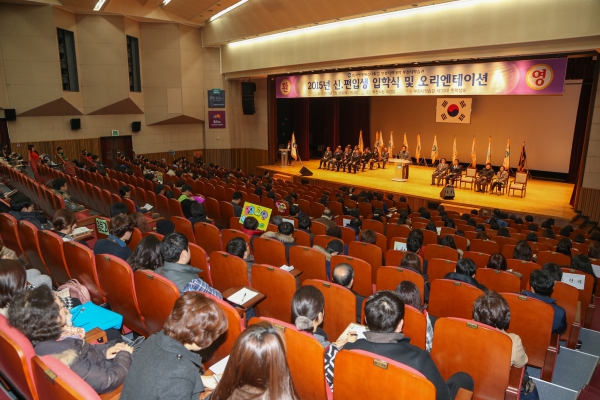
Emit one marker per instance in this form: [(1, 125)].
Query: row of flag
[(434, 149)]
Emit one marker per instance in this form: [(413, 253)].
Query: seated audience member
[(582, 263), (304, 225), (449, 242), (465, 272), (554, 270), (22, 210), (411, 296), (308, 311), (563, 247), (13, 279), (542, 286), (531, 237), (276, 220), (343, 275), (284, 235), (548, 233), (250, 228), (481, 235), (121, 228), (176, 255), (257, 367), (566, 231), (42, 318), (493, 310), (594, 250), (497, 261), (64, 222), (235, 201), (60, 187), (333, 248), (355, 224), (118, 208), (147, 255), (197, 213), (412, 262), (534, 228), (164, 227), (504, 232), (159, 189), (140, 222), (413, 245), (368, 236), (187, 192), (167, 364), (523, 251), (579, 238), (384, 312), (326, 218), (239, 248)]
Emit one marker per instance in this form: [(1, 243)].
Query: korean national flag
[(454, 110)]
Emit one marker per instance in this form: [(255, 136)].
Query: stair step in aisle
[(550, 391)]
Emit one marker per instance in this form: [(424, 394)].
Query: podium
[(401, 168), (284, 157)]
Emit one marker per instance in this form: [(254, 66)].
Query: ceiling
[(251, 19)]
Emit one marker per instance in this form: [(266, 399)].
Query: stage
[(543, 198)]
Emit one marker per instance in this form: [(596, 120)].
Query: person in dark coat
[(121, 229), (465, 272), (235, 201), (284, 235), (384, 312), (41, 317), (167, 366), (542, 286), (343, 275), (22, 210)]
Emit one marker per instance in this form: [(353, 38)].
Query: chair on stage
[(519, 183), (469, 178)]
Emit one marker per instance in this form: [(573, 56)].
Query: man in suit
[(235, 201), (365, 158), (485, 176), (454, 172), (440, 171), (542, 286), (354, 160), (345, 161), (326, 157), (374, 158), (327, 218), (404, 154), (385, 156), (343, 275), (336, 158)]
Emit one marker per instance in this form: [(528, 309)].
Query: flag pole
[(525, 166), (422, 158)]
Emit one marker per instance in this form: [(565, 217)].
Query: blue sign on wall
[(216, 98)]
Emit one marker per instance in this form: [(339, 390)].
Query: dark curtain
[(324, 125), (272, 118), (584, 68), (354, 116), (300, 123)]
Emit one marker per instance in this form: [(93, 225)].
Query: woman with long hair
[(13, 279), (146, 255), (64, 222), (257, 367), (410, 295), (413, 262)]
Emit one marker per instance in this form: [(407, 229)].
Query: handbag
[(77, 290), (89, 316)]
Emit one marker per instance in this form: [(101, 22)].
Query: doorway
[(4, 136), (112, 145)]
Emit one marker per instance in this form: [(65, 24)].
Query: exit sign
[(115, 133)]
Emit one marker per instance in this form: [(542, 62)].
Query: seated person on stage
[(454, 172), (326, 158), (354, 163), (343, 275), (501, 180), (440, 171), (465, 272), (485, 177), (346, 158), (542, 286), (365, 158), (385, 156), (404, 154), (334, 162), (384, 312), (235, 201), (374, 158), (176, 254)]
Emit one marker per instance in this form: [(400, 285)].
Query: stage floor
[(543, 198)]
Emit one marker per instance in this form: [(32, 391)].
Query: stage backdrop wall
[(545, 123)]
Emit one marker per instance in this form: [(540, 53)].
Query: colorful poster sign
[(525, 77), (216, 98), (102, 226), (262, 214), (216, 119)]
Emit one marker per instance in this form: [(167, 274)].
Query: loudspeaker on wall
[(136, 126), (75, 124), (305, 172), (447, 193), (248, 89), (10, 114)]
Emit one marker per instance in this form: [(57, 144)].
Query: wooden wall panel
[(71, 148), (589, 203)]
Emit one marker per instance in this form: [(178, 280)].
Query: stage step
[(590, 341)]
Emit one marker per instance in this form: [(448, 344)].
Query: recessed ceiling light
[(225, 11), (99, 5)]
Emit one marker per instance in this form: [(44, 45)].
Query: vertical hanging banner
[(524, 77), (453, 110)]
